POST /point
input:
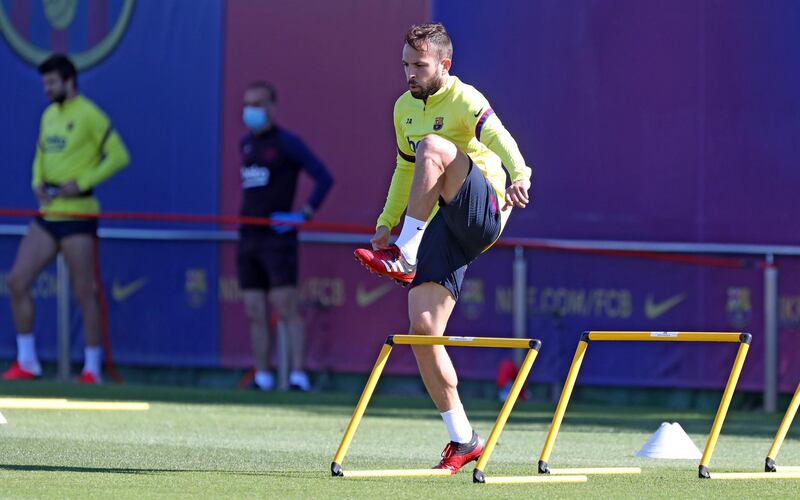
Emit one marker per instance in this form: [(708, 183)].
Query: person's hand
[(381, 238), (517, 194), (286, 221), (69, 190), (41, 194)]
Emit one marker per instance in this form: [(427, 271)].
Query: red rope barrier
[(194, 218), (727, 262)]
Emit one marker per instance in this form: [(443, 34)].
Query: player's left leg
[(79, 255), (429, 307)]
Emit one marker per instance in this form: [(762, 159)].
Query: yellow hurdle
[(397, 473), (653, 336), (478, 474), (596, 470), (667, 336), (535, 479), (64, 404), (788, 417), (531, 345), (756, 475)]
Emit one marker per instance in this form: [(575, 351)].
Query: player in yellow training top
[(77, 150), (453, 160)]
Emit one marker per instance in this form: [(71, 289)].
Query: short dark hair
[(261, 84), (424, 36), (61, 64)]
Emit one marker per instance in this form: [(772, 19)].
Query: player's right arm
[(399, 189)]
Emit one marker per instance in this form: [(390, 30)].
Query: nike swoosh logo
[(122, 292), (478, 113), (366, 297), (653, 310)]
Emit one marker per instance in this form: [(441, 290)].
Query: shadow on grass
[(126, 470)]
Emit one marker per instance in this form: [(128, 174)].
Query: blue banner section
[(162, 301), (159, 82), (568, 294)]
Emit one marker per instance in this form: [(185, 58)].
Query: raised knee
[(431, 144)]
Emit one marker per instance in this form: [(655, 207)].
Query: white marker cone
[(3, 419), (670, 441)]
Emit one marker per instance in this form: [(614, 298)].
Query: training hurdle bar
[(743, 339), (531, 345), (771, 469), (788, 417)]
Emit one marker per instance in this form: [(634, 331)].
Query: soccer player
[(272, 159), (453, 160), (77, 150)]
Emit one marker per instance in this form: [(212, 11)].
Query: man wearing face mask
[(272, 159), (458, 173), (77, 150)]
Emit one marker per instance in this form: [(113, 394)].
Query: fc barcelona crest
[(739, 307), (438, 123), (87, 31)]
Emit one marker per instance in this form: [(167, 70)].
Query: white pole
[(520, 285), (283, 355), (62, 302), (770, 334)]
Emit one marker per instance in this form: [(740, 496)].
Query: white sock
[(457, 425), (265, 380), (410, 238), (26, 353), (300, 379), (91, 361)]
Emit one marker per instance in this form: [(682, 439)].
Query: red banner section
[(336, 67)]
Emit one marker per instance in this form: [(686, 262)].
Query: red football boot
[(88, 377), (457, 455), (388, 262), (16, 372)]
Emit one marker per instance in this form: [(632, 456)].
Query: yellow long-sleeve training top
[(76, 142), (461, 114)]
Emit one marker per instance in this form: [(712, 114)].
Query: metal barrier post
[(770, 334), (520, 285), (62, 300)]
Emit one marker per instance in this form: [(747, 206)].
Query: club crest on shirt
[(70, 126), (438, 123)]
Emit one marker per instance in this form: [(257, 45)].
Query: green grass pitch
[(235, 444)]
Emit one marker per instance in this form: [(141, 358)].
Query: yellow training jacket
[(76, 142), (461, 114)]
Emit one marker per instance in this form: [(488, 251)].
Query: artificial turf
[(235, 444)]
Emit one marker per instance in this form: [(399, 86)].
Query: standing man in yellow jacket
[(458, 174), (77, 150)]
